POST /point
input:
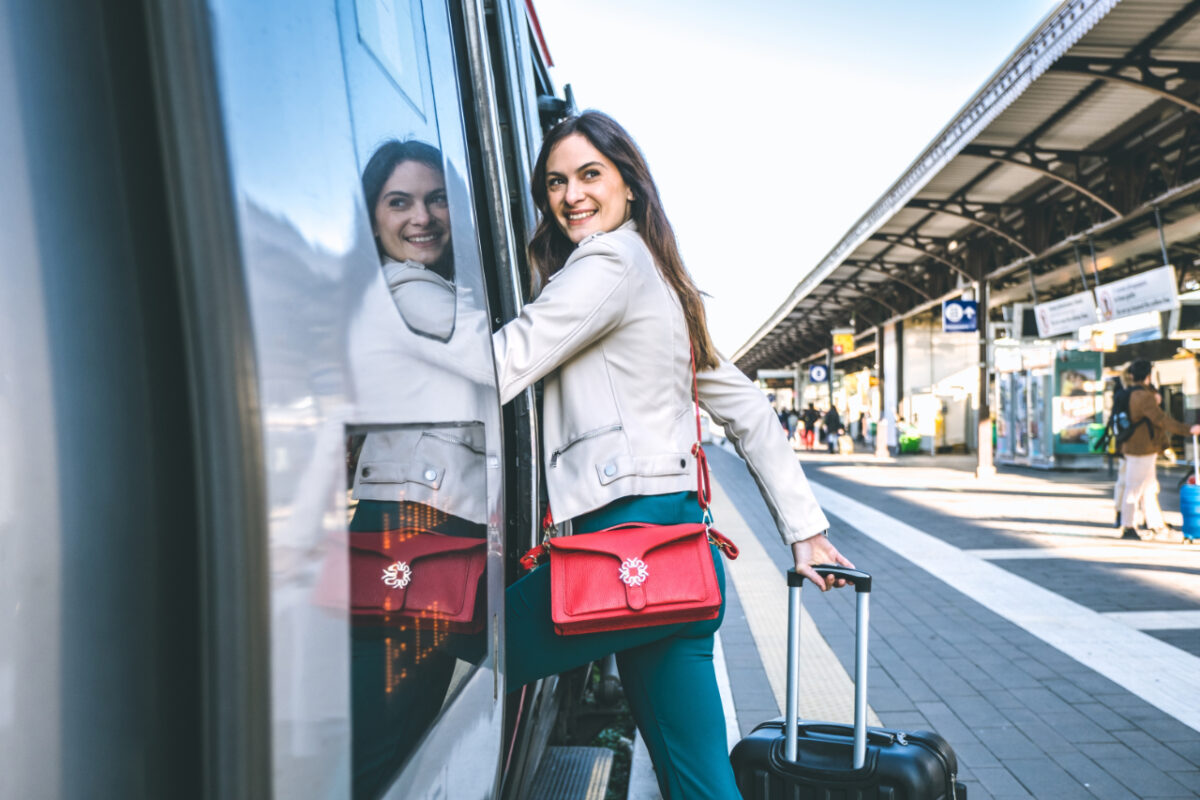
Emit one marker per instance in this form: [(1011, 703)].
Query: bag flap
[(385, 567), (625, 541), (408, 544)]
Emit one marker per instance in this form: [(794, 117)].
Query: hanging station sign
[(1153, 290), (817, 373), (843, 341), (1065, 315), (960, 316)]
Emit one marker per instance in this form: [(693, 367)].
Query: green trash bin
[(910, 443)]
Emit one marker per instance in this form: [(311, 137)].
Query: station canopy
[(1064, 168)]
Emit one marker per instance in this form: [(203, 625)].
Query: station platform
[(1059, 660)]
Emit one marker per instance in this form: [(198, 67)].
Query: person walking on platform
[(811, 418), (833, 428), (1151, 427), (618, 334)]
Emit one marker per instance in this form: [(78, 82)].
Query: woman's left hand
[(819, 550)]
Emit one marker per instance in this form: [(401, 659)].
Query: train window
[(424, 460), (388, 29), (417, 553), (376, 393)]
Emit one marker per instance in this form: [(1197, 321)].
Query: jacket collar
[(627, 225)]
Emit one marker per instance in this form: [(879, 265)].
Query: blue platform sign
[(818, 373), (960, 315)]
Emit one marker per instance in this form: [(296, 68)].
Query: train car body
[(209, 368)]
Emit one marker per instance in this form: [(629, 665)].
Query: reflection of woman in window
[(405, 188), (610, 333), (423, 483)]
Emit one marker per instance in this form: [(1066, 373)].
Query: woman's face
[(412, 217), (585, 190)]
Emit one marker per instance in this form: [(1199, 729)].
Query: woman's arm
[(581, 303), (1144, 404), (737, 404)]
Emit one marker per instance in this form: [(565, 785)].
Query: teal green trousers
[(666, 670)]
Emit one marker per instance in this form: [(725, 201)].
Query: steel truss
[(1144, 160)]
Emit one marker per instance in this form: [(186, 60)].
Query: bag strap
[(703, 481)]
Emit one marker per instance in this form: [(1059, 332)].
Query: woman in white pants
[(1152, 427)]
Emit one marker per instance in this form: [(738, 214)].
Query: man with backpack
[(1141, 437)]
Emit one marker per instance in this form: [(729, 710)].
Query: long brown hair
[(549, 248)]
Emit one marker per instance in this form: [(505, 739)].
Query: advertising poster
[(1077, 404), (1065, 315), (1153, 290)]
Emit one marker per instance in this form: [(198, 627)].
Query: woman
[(424, 481), (611, 334)]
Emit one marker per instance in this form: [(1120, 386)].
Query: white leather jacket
[(608, 335), (426, 369)]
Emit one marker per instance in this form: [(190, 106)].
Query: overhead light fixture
[(953, 245)]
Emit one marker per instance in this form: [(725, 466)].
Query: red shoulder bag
[(636, 575)]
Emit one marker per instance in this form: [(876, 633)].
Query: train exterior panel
[(219, 365)]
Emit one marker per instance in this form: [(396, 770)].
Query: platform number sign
[(959, 315), (818, 373)]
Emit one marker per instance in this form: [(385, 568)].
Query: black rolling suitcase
[(788, 759)]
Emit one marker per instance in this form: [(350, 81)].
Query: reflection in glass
[(405, 188), (418, 488)]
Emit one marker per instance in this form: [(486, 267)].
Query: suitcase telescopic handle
[(860, 579), (862, 590)]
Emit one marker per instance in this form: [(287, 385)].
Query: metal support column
[(829, 371), (986, 467), (882, 420)]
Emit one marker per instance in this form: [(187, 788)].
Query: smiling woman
[(405, 188), (585, 189), (617, 334)]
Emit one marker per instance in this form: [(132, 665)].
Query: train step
[(573, 773)]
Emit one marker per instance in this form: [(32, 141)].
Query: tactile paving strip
[(826, 690)]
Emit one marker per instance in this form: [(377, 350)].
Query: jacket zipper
[(589, 435)]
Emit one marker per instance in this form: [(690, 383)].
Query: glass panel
[(421, 366), (1020, 400), (367, 353), (417, 550)]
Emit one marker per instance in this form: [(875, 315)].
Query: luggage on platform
[(786, 758), (846, 445)]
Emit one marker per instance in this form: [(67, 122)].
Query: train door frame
[(232, 487)]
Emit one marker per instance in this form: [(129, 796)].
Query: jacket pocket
[(656, 466), (426, 460), (583, 437)]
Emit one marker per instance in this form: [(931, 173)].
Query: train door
[(377, 393)]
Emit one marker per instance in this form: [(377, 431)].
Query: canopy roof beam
[(1148, 82), (1040, 161), (960, 210), (877, 267), (918, 243)]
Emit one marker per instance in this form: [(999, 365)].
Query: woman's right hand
[(818, 550)]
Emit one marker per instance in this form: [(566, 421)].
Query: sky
[(771, 126)]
